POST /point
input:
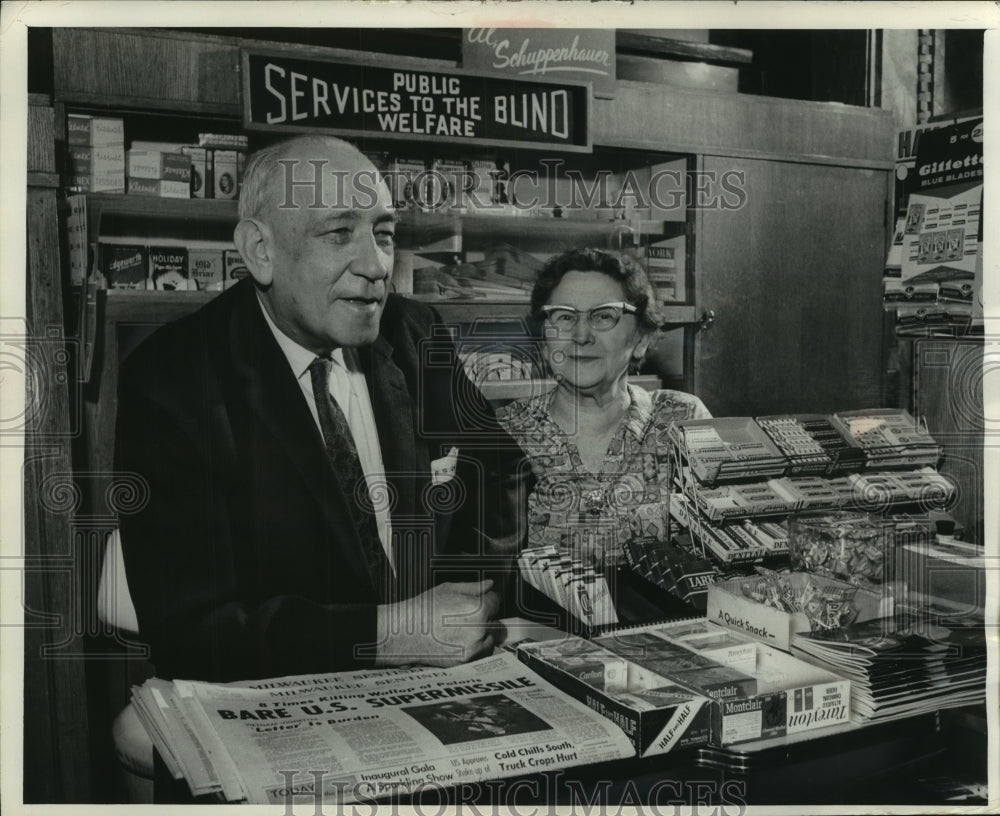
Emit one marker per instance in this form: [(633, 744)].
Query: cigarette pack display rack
[(739, 478)]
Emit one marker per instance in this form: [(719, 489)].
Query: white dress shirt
[(349, 388)]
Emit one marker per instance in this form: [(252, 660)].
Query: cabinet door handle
[(707, 320)]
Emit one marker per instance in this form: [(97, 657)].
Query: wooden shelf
[(142, 304), (199, 209), (415, 229)]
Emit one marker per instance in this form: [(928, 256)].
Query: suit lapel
[(278, 401), (393, 410)]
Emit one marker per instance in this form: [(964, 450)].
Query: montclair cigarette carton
[(792, 696), (124, 266), (168, 269)]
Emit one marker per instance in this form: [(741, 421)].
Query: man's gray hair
[(263, 168)]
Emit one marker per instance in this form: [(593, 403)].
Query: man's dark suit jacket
[(243, 561)]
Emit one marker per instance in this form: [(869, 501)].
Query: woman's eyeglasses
[(601, 318)]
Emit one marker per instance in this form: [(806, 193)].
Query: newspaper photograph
[(368, 735)]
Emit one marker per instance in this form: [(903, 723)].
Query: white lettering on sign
[(540, 111), (541, 60)]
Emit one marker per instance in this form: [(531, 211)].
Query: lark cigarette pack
[(124, 266), (168, 269), (206, 267), (155, 164)]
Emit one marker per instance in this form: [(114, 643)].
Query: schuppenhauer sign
[(297, 94), (583, 54)]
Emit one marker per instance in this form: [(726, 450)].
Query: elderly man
[(312, 451)]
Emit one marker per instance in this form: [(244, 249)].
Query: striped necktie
[(343, 456)]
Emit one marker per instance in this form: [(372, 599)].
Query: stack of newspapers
[(369, 735), (904, 666)]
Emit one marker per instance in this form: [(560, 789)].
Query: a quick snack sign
[(295, 94)]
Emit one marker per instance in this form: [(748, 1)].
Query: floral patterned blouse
[(594, 514)]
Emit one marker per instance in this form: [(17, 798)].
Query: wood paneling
[(721, 124), (146, 66), (56, 736), (794, 277)]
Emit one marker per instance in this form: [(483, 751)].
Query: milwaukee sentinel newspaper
[(367, 735)]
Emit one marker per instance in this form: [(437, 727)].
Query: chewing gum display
[(728, 448), (889, 438)]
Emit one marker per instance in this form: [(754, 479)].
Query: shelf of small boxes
[(740, 479)]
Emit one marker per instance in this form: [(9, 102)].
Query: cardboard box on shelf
[(155, 164), (728, 606), (96, 161), (158, 188), (235, 268), (124, 266), (168, 269), (792, 696), (96, 131), (225, 177), (207, 267), (113, 182)]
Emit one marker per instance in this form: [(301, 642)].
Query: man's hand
[(444, 626)]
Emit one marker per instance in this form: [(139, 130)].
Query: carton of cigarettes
[(159, 188), (96, 161), (155, 164), (95, 131)]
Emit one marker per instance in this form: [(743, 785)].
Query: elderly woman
[(597, 445)]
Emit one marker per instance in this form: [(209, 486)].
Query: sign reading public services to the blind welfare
[(576, 54), (293, 94)]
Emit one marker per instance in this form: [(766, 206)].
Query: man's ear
[(253, 239)]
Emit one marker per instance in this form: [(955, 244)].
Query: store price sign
[(294, 94)]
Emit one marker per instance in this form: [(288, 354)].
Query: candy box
[(852, 546), (741, 604)]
